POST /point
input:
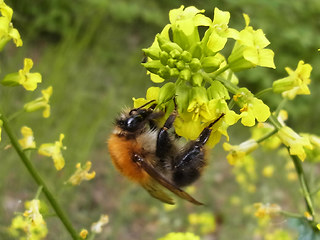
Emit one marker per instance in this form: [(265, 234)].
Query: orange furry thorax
[(121, 151)]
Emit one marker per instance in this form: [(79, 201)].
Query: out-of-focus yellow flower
[(278, 234), (28, 140), (96, 227), (7, 31), (22, 228), (249, 50), (33, 212), (252, 108), (238, 152), (83, 234), (266, 210), (54, 150), (294, 141), (318, 225), (261, 130), (81, 174), (314, 153), (268, 171), (40, 103), (204, 221), (296, 83), (180, 236), (308, 216)]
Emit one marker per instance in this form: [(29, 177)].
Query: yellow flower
[(29, 80), (152, 94), (261, 130), (219, 31), (83, 234), (180, 236), (96, 227), (238, 152), (266, 210), (294, 141), (268, 171), (33, 212), (28, 140), (308, 216), (252, 108), (22, 228), (81, 174), (7, 31), (54, 150), (314, 153), (296, 83), (249, 50), (204, 221), (40, 103)]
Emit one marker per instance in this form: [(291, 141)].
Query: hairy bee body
[(151, 156)]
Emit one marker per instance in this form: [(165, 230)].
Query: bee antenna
[(136, 109)]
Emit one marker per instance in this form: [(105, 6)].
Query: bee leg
[(164, 144), (189, 163)]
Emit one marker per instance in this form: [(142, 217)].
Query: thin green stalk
[(280, 106), (263, 92), (274, 131), (219, 71), (60, 213), (292, 215), (303, 184)]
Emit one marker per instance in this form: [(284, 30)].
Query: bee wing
[(164, 182), (156, 191)]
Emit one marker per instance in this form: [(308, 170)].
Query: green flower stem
[(263, 92), (303, 184), (274, 131), (280, 106), (219, 71), (229, 85), (60, 213), (298, 166), (290, 214)]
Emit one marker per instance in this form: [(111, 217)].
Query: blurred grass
[(90, 52)]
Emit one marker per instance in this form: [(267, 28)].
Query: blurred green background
[(90, 52)]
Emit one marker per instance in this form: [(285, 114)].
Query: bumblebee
[(152, 157)]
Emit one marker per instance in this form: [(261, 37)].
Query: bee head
[(134, 120)]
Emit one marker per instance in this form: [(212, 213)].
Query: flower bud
[(164, 72), (153, 66), (164, 56), (186, 56), (167, 92), (174, 72), (180, 65), (171, 62), (195, 64), (175, 54), (197, 79), (152, 52), (211, 64), (185, 74), (166, 45)]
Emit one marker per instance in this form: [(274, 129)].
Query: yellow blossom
[(266, 210), (238, 152), (296, 83), (83, 234), (40, 103), (7, 31), (294, 141), (308, 216), (33, 212), (96, 227), (180, 236), (204, 221), (54, 150), (249, 50), (252, 108), (152, 94), (268, 171), (28, 140), (81, 174)]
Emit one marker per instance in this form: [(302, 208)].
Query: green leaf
[(306, 232)]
